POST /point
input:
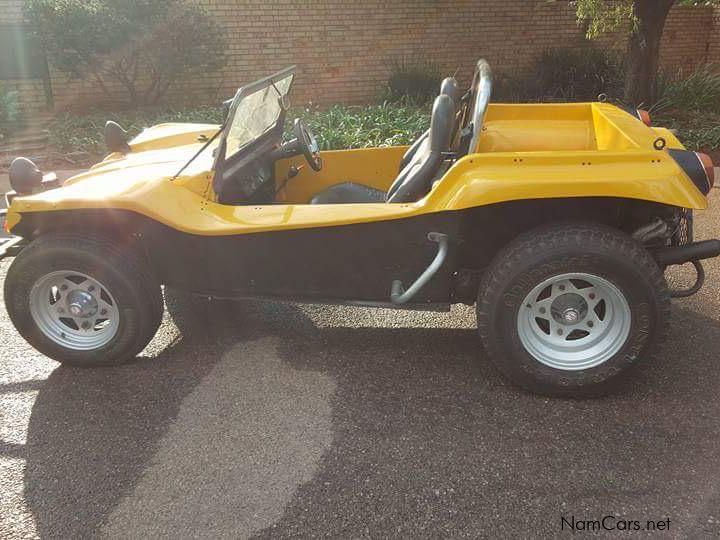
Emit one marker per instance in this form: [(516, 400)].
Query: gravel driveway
[(276, 420)]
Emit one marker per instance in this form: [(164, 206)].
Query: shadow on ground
[(426, 440)]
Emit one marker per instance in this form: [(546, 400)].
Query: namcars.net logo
[(612, 523)]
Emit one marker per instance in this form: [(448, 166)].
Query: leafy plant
[(142, 46), (388, 124), (336, 128), (73, 133), (413, 79), (10, 115), (576, 73), (699, 91), (646, 21), (699, 130)]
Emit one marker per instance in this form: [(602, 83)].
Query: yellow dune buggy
[(556, 220)]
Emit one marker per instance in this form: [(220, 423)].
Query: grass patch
[(338, 127)]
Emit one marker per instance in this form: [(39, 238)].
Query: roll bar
[(482, 81)]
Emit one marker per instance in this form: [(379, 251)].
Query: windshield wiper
[(204, 146)]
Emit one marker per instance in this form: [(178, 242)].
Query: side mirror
[(25, 177), (116, 138)]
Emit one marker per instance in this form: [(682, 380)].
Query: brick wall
[(31, 91), (10, 11), (714, 48), (344, 48), (687, 36)]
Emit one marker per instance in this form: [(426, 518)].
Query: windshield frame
[(221, 158)]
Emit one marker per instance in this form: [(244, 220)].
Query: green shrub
[(10, 115), (413, 80), (576, 74), (389, 124), (699, 130), (705, 138), (699, 91), (141, 46), (73, 133), (336, 128)]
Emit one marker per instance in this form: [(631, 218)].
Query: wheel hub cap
[(570, 316), (81, 304), (574, 321), (74, 310), (569, 308)]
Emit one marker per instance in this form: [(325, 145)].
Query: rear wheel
[(567, 310), (83, 302)]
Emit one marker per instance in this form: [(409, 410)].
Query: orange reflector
[(709, 167), (645, 117)]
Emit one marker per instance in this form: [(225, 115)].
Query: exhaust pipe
[(696, 251)]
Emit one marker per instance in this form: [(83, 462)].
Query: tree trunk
[(643, 53)]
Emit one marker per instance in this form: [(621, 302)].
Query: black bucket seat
[(416, 177)]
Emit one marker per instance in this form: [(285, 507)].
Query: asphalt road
[(277, 420)]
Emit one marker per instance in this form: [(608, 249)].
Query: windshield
[(256, 113)]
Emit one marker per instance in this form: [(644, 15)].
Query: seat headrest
[(442, 123), (450, 87)]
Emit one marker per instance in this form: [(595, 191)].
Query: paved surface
[(273, 421)]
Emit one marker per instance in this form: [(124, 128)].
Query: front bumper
[(9, 245)]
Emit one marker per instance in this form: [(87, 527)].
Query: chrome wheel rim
[(74, 310), (574, 321)]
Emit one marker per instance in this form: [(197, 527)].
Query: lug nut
[(103, 312), (63, 287), (591, 296), (591, 324), (560, 332), (542, 310)]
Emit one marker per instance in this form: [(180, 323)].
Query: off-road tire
[(120, 269), (551, 251)]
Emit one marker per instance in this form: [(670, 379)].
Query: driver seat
[(416, 178)]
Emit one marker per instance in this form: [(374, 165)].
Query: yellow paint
[(11, 220), (670, 138), (374, 167), (580, 150)]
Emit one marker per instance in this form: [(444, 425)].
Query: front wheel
[(567, 310), (82, 301)]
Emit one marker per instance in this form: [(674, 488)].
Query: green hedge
[(338, 127)]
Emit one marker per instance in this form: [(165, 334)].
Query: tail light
[(698, 167), (645, 117), (708, 166)]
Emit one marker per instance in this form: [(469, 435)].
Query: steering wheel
[(308, 145)]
